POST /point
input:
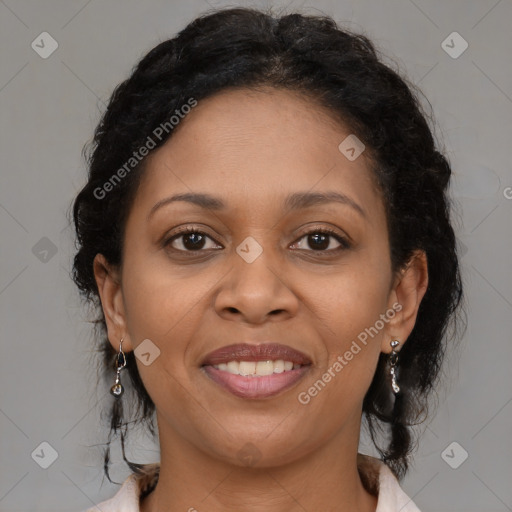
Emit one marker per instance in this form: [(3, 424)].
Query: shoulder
[(128, 497), (125, 500), (381, 481)]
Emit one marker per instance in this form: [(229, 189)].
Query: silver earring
[(117, 389), (393, 361)]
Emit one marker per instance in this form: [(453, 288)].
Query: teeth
[(232, 367), (246, 367), (264, 368), (257, 369), (279, 366)]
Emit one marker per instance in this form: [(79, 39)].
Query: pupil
[(197, 241), (320, 241)]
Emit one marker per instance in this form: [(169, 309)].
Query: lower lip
[(255, 387)]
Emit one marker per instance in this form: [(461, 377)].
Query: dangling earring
[(117, 389), (393, 361)]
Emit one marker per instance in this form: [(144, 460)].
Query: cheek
[(352, 299), (160, 304), (161, 307), (352, 351), (352, 309)]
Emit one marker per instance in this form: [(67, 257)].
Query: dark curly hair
[(336, 69)]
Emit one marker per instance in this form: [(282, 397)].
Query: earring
[(393, 361), (117, 389)]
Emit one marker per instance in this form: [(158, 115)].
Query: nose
[(256, 292)]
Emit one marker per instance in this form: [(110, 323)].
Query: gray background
[(49, 109)]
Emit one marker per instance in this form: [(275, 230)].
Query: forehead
[(254, 147)]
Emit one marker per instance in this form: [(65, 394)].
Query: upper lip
[(260, 352)]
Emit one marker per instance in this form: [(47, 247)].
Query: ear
[(111, 294), (409, 287)]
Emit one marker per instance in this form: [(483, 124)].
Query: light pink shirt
[(391, 498)]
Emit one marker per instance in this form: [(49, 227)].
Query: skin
[(252, 149)]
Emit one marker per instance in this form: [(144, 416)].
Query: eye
[(322, 240), (318, 240), (189, 240)]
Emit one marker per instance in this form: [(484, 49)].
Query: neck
[(191, 480)]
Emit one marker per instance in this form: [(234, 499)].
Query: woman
[(266, 234)]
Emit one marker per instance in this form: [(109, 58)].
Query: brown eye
[(189, 241), (322, 241)]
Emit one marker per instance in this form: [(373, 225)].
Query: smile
[(256, 371), (257, 368)]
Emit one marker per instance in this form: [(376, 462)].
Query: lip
[(255, 387), (260, 352)]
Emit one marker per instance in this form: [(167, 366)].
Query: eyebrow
[(295, 201)]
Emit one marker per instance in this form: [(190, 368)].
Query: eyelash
[(344, 243)]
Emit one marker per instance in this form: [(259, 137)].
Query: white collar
[(391, 498)]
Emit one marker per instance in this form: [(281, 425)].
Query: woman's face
[(254, 276)]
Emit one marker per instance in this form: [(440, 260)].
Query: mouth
[(256, 371)]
